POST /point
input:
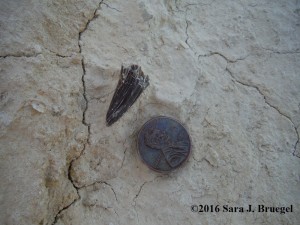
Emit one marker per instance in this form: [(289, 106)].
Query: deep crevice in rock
[(84, 70), (83, 115), (63, 209), (69, 205)]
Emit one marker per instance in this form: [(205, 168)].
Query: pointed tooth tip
[(108, 121), (135, 72)]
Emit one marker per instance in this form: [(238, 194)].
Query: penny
[(163, 144)]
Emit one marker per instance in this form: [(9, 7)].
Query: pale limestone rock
[(227, 69), (28, 27), (37, 141)]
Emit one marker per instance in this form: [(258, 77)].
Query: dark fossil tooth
[(131, 84)]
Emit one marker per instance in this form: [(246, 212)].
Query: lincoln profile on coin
[(174, 152), (163, 144)]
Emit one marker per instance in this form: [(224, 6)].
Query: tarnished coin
[(163, 144)]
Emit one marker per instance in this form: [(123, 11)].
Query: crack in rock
[(95, 182), (138, 194), (108, 6), (84, 70), (63, 209), (269, 104), (223, 56), (141, 188), (191, 4), (123, 160), (199, 4), (77, 191), (135, 198), (57, 54), (19, 55), (100, 182), (187, 22), (186, 30), (83, 115), (113, 190), (256, 87), (86, 101), (296, 51)]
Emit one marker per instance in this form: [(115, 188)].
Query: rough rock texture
[(229, 70)]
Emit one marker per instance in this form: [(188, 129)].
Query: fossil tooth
[(131, 84)]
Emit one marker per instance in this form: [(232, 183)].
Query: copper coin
[(163, 144)]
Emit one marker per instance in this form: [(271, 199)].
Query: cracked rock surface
[(229, 70)]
